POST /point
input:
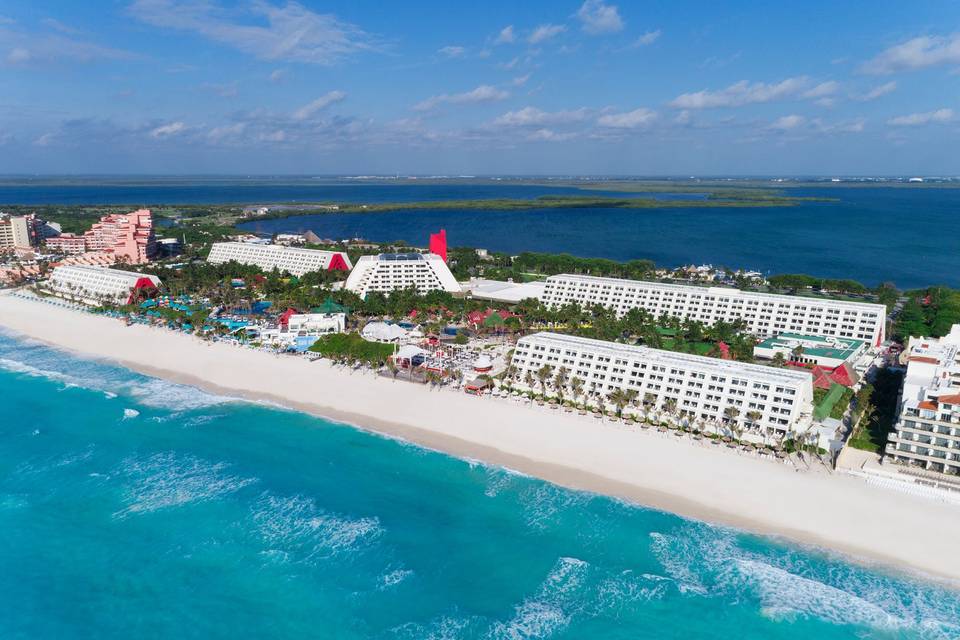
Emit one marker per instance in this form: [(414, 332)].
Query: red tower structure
[(438, 243)]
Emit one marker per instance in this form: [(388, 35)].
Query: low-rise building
[(761, 399), (822, 351), (295, 260), (67, 244), (764, 314), (300, 325), (503, 291), (927, 432), (391, 271), (98, 285)]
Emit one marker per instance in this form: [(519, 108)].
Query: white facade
[(269, 256), (306, 324), (16, 232), (94, 285), (927, 433), (703, 388), (765, 314), (390, 271), (499, 291)]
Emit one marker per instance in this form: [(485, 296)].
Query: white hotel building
[(295, 260), (390, 271), (93, 285), (765, 314), (927, 433), (702, 387)]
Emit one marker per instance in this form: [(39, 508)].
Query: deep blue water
[(908, 236), (135, 508)]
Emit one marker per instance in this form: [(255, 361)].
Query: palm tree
[(753, 417), (576, 388), (543, 376), (618, 398), (560, 381), (731, 413), (529, 380), (670, 406)]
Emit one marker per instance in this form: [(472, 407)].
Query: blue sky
[(595, 87)]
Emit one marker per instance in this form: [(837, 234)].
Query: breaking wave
[(296, 527), (168, 480)]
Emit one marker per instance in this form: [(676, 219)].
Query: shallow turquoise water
[(133, 507)]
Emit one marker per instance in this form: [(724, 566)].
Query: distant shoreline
[(697, 481)]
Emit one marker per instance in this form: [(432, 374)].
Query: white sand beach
[(835, 512)]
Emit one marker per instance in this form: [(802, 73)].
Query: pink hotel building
[(127, 236)]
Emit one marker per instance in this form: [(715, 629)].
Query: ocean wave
[(393, 577), (544, 504), (708, 561), (40, 361), (297, 527), (446, 627), (552, 608), (167, 480)]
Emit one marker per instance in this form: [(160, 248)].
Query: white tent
[(408, 351), (383, 332)]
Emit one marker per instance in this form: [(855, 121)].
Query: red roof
[(926, 404), (951, 399), (843, 375)]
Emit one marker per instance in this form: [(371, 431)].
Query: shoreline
[(882, 529)]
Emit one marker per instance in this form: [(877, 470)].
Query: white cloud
[(636, 119), (822, 90), (917, 53), (742, 93), (646, 39), (45, 140), (531, 116), (506, 35), (787, 123), (917, 119), (544, 32), (598, 17), (452, 51), (321, 103), (879, 91), (278, 75), (519, 81), (288, 32), (483, 93), (167, 130), (27, 48), (549, 135)]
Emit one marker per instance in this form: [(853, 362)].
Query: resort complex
[(764, 314), (126, 238), (294, 260), (927, 432), (820, 351), (753, 398), (17, 232), (391, 271), (100, 285)]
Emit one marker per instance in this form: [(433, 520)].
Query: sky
[(591, 87)]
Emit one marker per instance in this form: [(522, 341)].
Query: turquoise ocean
[(131, 507)]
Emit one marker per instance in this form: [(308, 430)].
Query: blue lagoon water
[(910, 236), (131, 507)]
